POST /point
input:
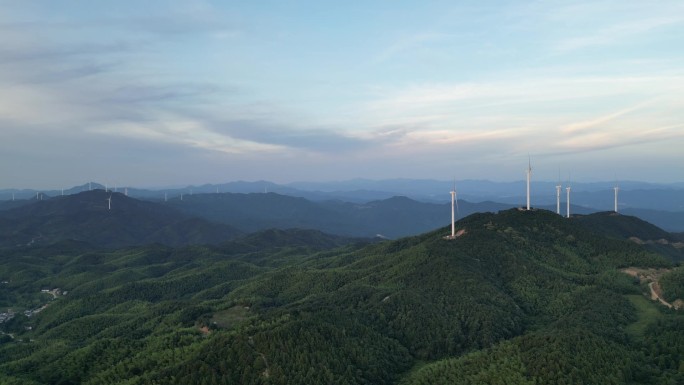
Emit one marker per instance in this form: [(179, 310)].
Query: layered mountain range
[(518, 297)]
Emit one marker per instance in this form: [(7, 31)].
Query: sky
[(157, 93)]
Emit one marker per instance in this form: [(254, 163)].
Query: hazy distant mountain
[(476, 190), (85, 217), (6, 205), (598, 195), (394, 217), (661, 204)]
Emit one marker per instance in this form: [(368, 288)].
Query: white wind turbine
[(454, 212), (558, 194), (616, 188), (567, 189), (529, 176), (454, 205), (109, 202)]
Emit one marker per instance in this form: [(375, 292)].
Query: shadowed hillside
[(394, 217), (86, 217), (636, 230)]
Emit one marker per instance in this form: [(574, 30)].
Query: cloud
[(283, 134), (579, 127), (620, 33), (609, 23), (408, 43)]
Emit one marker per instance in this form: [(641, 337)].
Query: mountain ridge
[(86, 217)]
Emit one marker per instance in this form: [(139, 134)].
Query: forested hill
[(635, 229), (87, 217), (519, 297)]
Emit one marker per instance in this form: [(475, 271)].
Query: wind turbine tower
[(529, 175), (453, 213), (558, 192), (109, 202), (567, 189), (454, 210), (616, 188)]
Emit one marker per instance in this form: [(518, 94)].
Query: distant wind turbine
[(529, 176), (567, 189), (616, 188), (453, 214), (454, 210), (558, 194)]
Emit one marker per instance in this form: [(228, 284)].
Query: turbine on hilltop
[(558, 193), (529, 176), (567, 189), (454, 209)]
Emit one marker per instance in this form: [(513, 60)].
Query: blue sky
[(185, 92)]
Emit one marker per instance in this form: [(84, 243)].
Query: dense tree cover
[(519, 298), (672, 284), (629, 227)]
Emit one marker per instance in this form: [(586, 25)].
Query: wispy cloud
[(619, 33), (407, 44), (579, 127)]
